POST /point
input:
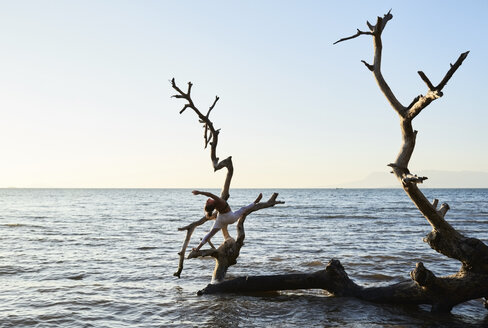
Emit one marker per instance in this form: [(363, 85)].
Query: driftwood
[(471, 282), (226, 254), (335, 280)]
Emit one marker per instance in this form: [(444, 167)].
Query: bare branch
[(181, 93), (208, 125), (434, 93), (414, 101), (213, 105), (189, 88), (258, 206), (203, 253), (184, 108), (426, 80), (443, 209), (381, 22), (421, 103), (369, 66), (358, 33), (451, 71), (370, 26), (189, 231), (376, 31), (422, 276)]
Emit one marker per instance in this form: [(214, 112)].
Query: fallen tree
[(442, 293), (227, 253)]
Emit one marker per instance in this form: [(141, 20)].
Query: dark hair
[(209, 208)]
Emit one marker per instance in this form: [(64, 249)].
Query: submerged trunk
[(442, 293)]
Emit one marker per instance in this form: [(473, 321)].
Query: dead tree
[(226, 254), (471, 282), (472, 279)]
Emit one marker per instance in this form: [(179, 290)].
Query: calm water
[(105, 258)]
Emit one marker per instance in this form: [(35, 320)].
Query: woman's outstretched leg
[(207, 237), (225, 232)]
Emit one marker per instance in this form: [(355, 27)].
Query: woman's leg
[(207, 237), (242, 210), (225, 232)]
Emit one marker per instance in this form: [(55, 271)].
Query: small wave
[(472, 221), (380, 257), (276, 259), (343, 216), (10, 269), (146, 248), (13, 225), (315, 264), (377, 277), (22, 225), (77, 277)]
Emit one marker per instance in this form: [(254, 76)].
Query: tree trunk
[(442, 293)]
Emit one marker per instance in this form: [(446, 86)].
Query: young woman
[(225, 215)]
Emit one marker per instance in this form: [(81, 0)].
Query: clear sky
[(85, 93)]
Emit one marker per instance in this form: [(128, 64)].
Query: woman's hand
[(195, 192)]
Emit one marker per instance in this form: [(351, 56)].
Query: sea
[(106, 257)]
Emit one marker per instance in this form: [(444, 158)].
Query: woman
[(225, 215)]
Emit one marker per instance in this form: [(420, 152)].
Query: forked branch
[(189, 231), (240, 224), (211, 135)]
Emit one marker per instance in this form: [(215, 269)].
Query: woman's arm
[(205, 193), (220, 204)]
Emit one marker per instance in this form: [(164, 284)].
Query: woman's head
[(209, 207)]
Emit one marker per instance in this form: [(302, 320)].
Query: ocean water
[(106, 257)]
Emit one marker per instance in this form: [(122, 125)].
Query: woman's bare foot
[(258, 199)]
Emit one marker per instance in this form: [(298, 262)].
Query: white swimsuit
[(223, 219)]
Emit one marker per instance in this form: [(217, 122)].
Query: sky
[(85, 94)]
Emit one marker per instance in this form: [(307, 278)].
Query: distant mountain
[(436, 179)]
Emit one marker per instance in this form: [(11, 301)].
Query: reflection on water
[(105, 258)]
